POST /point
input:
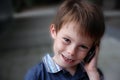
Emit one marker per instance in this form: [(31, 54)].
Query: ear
[(53, 31)]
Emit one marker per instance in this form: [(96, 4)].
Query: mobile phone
[(90, 55)]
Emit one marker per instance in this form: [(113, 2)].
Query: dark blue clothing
[(39, 72), (49, 70)]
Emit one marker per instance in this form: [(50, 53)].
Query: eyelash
[(66, 40), (84, 47)]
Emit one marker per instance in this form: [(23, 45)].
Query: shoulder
[(81, 72), (35, 72)]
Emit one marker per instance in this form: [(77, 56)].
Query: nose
[(71, 50)]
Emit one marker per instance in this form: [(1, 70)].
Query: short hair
[(87, 15)]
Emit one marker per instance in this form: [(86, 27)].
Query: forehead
[(77, 28), (75, 31)]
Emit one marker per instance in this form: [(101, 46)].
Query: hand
[(91, 67)]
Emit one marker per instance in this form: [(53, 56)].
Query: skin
[(71, 47)]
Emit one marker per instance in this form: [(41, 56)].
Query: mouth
[(67, 59)]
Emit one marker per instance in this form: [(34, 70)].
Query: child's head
[(77, 27), (87, 15)]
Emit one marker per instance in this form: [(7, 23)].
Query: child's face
[(70, 48)]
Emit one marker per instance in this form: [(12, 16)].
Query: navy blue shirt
[(47, 69)]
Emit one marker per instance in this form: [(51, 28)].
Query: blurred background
[(24, 36)]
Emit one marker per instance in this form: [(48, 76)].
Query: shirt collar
[(50, 65)]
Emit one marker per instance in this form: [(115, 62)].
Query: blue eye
[(83, 47), (66, 40)]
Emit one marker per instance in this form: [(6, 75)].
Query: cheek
[(58, 46), (82, 55)]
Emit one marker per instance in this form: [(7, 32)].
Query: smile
[(67, 59)]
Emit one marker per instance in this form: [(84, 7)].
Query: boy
[(76, 31)]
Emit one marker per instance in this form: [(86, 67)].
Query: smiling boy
[(78, 26)]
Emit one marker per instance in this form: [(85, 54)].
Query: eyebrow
[(81, 43), (68, 37)]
